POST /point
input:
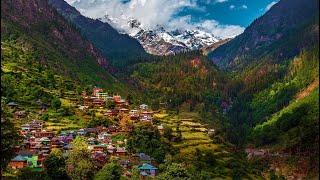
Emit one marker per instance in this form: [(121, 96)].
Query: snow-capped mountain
[(160, 41)]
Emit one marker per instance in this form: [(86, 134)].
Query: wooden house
[(121, 151), (56, 143), (43, 133), (124, 110), (98, 102), (100, 147), (18, 162), (96, 90), (134, 114), (111, 149), (19, 114)]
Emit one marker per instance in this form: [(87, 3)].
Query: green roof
[(146, 166), (33, 160)]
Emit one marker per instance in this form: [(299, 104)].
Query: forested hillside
[(120, 49), (52, 44), (184, 78), (278, 35)]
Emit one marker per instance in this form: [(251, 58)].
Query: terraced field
[(194, 133)]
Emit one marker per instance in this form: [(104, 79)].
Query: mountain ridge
[(287, 22), (119, 48)]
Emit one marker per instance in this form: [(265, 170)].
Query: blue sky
[(236, 12), (224, 18)]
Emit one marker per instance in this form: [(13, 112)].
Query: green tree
[(55, 103), (174, 171), (167, 132), (55, 165), (110, 171), (80, 165), (110, 104), (146, 138), (9, 137), (129, 99), (97, 121), (28, 173)]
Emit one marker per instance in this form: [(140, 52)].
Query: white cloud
[(270, 5), (220, 1), (232, 6), (151, 13), (244, 7), (210, 26)]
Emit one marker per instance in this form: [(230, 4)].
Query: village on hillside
[(104, 143)]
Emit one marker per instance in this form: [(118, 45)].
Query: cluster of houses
[(38, 143), (121, 106)]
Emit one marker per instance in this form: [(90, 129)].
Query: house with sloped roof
[(18, 162), (144, 158), (147, 170)]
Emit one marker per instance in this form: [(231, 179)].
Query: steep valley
[(244, 108)]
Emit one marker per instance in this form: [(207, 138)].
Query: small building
[(124, 110), (134, 114), (112, 129), (143, 107), (87, 101), (211, 132), (19, 114), (161, 129), (111, 149), (100, 157), (45, 141), (82, 108), (36, 125), (92, 141), (91, 130), (103, 136), (102, 95), (117, 98), (43, 107), (56, 143), (96, 90), (25, 127), (144, 158), (125, 163), (43, 133), (146, 116), (147, 170), (18, 162), (100, 147), (12, 104), (98, 102), (110, 113), (121, 151)]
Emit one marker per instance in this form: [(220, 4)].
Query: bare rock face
[(160, 41)]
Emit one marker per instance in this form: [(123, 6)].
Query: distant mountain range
[(161, 41)]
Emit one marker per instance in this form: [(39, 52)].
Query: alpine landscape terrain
[(159, 89)]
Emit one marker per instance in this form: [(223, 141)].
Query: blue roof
[(19, 158), (146, 166)]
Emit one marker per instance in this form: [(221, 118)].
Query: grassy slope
[(194, 138), (87, 71)]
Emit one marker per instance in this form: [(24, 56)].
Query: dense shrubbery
[(146, 138)]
